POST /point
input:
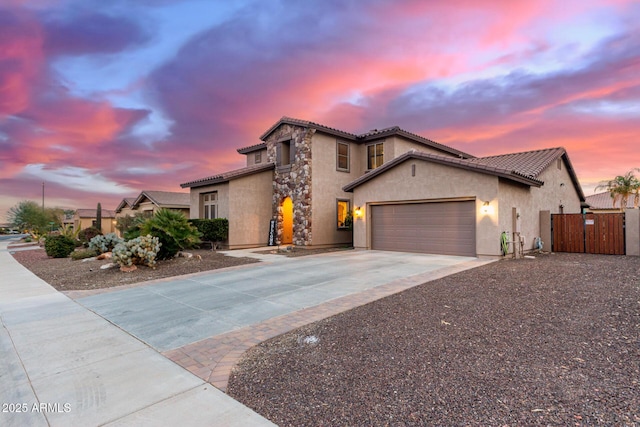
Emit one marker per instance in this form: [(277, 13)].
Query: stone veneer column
[(293, 181)]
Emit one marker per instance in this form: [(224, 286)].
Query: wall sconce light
[(486, 208), (358, 212)]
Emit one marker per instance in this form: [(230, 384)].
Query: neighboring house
[(405, 192), (603, 203), (125, 207), (85, 218), (148, 202)]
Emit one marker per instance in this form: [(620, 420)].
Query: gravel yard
[(65, 274), (549, 341)]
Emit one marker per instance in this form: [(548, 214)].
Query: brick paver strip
[(212, 359)]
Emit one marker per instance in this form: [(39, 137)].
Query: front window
[(344, 214), (210, 205), (375, 155), (342, 156)]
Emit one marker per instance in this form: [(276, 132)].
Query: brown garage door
[(447, 228)]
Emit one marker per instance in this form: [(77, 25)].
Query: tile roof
[(449, 161), (228, 176), (165, 199), (306, 123), (251, 148), (605, 201), (367, 136), (91, 213), (125, 203), (528, 163)]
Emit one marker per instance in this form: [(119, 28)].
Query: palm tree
[(622, 187)]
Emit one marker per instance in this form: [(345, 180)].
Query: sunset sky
[(103, 99)]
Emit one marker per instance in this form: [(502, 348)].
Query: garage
[(447, 228)]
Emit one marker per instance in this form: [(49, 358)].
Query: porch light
[(486, 208), (358, 212)]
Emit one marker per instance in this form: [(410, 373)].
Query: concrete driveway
[(171, 314)]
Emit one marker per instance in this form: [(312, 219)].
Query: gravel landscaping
[(548, 341), (65, 274)]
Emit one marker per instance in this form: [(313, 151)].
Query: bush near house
[(213, 230), (87, 234), (59, 246), (142, 250), (173, 231), (104, 243)]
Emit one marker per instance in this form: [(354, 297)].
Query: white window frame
[(378, 160), (209, 205)]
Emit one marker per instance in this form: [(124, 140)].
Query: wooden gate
[(588, 233)]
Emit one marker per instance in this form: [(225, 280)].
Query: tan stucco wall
[(529, 201), (632, 230), (125, 211), (326, 187), (249, 210), (398, 145), (107, 224), (431, 181), (251, 157), (196, 210)]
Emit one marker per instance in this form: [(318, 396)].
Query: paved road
[(172, 314)]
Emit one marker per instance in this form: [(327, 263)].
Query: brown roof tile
[(91, 213), (445, 160), (228, 176), (605, 201), (528, 163)]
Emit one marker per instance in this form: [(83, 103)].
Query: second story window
[(258, 157), (210, 205), (375, 155), (342, 157), (285, 153)]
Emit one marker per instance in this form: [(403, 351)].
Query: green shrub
[(142, 250), (87, 234), (59, 246), (173, 231), (213, 230), (83, 254), (105, 243)]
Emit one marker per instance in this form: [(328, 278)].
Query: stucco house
[(148, 202), (85, 218), (400, 190)]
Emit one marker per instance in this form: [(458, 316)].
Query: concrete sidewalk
[(62, 365)]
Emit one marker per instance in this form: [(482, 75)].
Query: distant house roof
[(228, 176), (605, 201), (126, 203), (449, 161), (165, 199), (361, 138), (91, 213)]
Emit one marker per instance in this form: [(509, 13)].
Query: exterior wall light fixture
[(486, 208), (358, 212)]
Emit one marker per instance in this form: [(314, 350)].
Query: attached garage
[(447, 228)]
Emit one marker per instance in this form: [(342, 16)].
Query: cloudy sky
[(102, 99)]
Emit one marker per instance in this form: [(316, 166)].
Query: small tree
[(622, 187), (99, 217), (28, 215)]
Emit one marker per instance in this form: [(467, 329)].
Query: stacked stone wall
[(293, 181)]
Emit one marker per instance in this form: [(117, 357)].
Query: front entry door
[(287, 221)]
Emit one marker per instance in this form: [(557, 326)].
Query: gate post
[(545, 230), (632, 231)]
